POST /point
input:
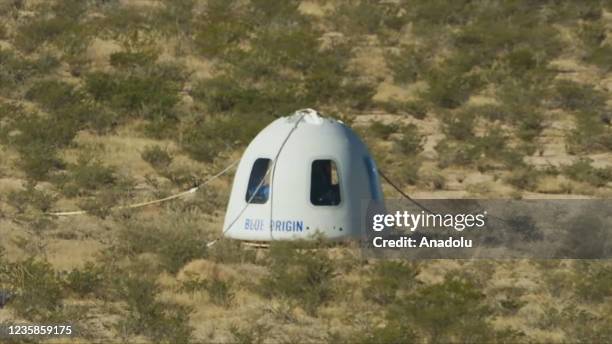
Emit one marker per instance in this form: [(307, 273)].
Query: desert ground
[(106, 103)]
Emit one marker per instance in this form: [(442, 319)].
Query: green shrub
[(382, 130), (99, 204), (387, 279), (411, 142), (53, 95), (590, 135), (524, 178), (449, 88), (35, 33), (573, 96), (592, 34), (593, 281), (129, 59), (223, 94), (148, 92), (30, 197), (90, 173), (175, 17), (193, 285), (146, 315), (408, 64), (175, 241), (583, 171), (3, 31), (85, 281), (37, 287), (390, 333), (459, 125), (416, 108), (231, 252), (367, 17), (301, 275), (456, 153), (252, 334), (601, 57), (204, 140), (158, 157), (408, 171), (530, 126), (37, 141), (220, 26), (451, 310), (220, 292)]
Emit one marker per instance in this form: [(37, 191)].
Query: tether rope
[(157, 201), (422, 207), (405, 195)]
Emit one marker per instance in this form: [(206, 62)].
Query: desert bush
[(251, 334), (220, 292), (449, 87), (573, 96), (175, 17), (583, 171), (301, 275), (409, 63), (426, 15), (416, 108), (69, 106), (29, 196), (132, 59), (37, 142), (451, 310), (53, 95), (389, 333), (220, 26), (525, 178), (223, 94), (387, 279), (411, 142), (590, 135), (592, 34), (89, 173), (33, 34), (37, 288), (146, 315), (456, 153), (61, 26), (600, 56), (491, 36), (459, 125), (158, 157), (382, 130), (593, 281), (530, 125), (193, 285), (85, 281), (408, 170), (147, 92), (367, 17), (205, 139), (231, 252), (175, 241)]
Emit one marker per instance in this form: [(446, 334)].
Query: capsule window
[(258, 190), (324, 183)]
